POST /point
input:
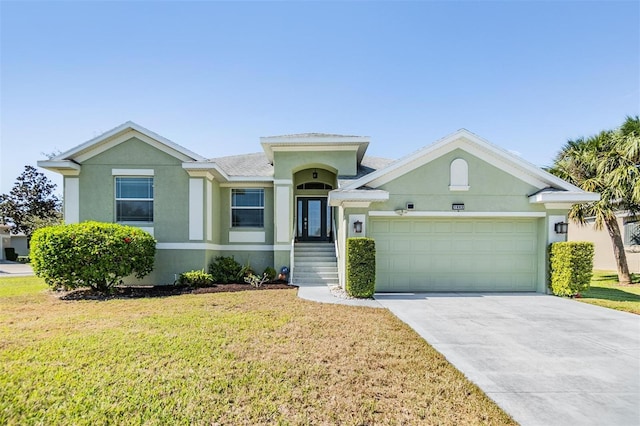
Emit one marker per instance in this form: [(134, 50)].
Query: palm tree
[(606, 163)]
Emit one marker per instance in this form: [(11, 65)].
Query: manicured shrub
[(226, 270), (361, 267), (92, 254), (270, 273), (195, 278), (571, 267)]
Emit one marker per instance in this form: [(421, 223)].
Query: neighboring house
[(458, 215), (16, 241), (604, 258)]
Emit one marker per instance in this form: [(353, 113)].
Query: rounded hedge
[(92, 254)]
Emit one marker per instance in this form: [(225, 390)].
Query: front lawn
[(258, 357), (605, 291)]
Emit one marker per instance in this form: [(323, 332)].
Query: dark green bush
[(226, 270), (270, 273), (195, 278), (571, 267), (361, 267), (91, 254)]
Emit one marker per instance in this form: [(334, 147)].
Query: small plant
[(226, 270), (255, 280), (195, 278), (270, 272)]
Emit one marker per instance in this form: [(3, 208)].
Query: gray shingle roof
[(257, 164)]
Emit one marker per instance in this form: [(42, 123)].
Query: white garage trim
[(414, 214)]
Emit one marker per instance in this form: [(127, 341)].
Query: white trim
[(558, 206), (64, 167), (474, 145), (572, 197), (71, 200), (553, 237), (405, 213), (283, 182), (196, 209), (283, 214), (249, 183), (459, 188), (94, 146), (247, 237), (209, 212), (225, 247), (132, 172), (148, 229), (338, 197)]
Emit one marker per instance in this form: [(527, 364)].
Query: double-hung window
[(134, 199), (632, 233), (247, 208)]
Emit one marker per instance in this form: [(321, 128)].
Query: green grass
[(605, 291), (262, 357)]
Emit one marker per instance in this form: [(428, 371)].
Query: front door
[(314, 219)]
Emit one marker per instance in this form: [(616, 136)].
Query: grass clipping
[(226, 358)]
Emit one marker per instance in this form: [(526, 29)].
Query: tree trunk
[(624, 277)]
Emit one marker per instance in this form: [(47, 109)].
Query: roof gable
[(121, 134), (475, 145)]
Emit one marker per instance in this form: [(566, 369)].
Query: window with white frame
[(134, 199), (247, 207)]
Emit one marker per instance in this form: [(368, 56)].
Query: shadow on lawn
[(613, 278), (610, 294)]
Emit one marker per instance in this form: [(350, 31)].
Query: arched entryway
[(313, 214)]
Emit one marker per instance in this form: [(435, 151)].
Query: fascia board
[(337, 197), (96, 145), (358, 144), (476, 146), (59, 164), (574, 197), (197, 168)]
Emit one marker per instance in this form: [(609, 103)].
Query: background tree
[(31, 203), (606, 163)]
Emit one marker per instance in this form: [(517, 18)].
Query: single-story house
[(460, 214), (18, 242), (604, 258)]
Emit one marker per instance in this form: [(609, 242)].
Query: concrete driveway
[(545, 360)]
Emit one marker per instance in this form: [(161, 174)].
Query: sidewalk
[(14, 269), (324, 294)]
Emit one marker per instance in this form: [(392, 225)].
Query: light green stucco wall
[(224, 211), (491, 189), (287, 163), (171, 195)]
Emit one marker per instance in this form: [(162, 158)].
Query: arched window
[(314, 185), (459, 175)]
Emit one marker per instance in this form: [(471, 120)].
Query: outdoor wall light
[(315, 174), (357, 227), (561, 227)]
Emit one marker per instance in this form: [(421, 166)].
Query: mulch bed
[(164, 291)]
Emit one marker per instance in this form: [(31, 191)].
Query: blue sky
[(215, 76)]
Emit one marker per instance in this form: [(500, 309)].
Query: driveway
[(14, 269), (545, 360)]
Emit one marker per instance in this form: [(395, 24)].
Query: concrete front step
[(315, 264)]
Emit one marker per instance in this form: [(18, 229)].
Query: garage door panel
[(456, 254)]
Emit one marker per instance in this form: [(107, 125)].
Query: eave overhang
[(563, 197), (64, 167), (357, 197), (306, 143)]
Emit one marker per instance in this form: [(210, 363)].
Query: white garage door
[(455, 254)]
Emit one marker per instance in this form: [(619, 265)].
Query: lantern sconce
[(315, 174), (357, 227), (561, 227)]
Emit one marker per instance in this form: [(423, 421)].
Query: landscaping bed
[(164, 291)]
